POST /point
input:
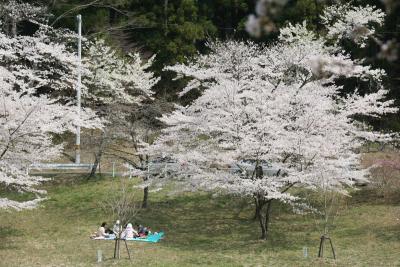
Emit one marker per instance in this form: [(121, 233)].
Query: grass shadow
[(6, 235), (388, 233), (210, 224), (371, 195)]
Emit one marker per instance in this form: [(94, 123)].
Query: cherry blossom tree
[(28, 123), (280, 107), (138, 128), (34, 72), (113, 77), (115, 87), (43, 59), (40, 74), (110, 78), (345, 21), (229, 58)]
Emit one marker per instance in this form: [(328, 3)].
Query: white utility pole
[(78, 92)]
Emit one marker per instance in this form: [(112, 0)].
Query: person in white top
[(101, 232), (117, 229), (129, 232)]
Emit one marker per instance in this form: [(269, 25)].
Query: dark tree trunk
[(112, 16), (144, 162), (257, 210), (95, 165), (268, 217), (145, 197), (14, 27), (98, 156), (165, 17), (262, 225), (264, 218), (6, 23)]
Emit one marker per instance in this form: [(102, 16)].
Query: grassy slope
[(200, 230)]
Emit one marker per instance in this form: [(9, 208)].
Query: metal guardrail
[(153, 168), (60, 166)]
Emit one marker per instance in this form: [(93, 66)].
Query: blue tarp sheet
[(152, 238)]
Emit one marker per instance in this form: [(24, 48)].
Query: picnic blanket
[(152, 238)]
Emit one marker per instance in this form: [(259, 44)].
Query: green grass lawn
[(201, 230)]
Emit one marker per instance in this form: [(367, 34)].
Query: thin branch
[(72, 10)]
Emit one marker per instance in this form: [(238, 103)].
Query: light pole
[(78, 92)]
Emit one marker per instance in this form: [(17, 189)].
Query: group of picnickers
[(118, 231)]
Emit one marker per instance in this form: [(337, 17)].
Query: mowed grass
[(201, 230)]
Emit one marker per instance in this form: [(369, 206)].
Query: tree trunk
[(95, 164), (261, 220), (98, 156), (145, 164), (257, 210), (13, 27), (262, 225), (145, 197), (264, 218), (268, 217), (165, 17)]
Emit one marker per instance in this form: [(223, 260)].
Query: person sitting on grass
[(129, 232), (117, 229), (101, 232), (143, 231)]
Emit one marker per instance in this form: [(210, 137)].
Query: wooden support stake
[(321, 246), (127, 249), (117, 253), (115, 248)]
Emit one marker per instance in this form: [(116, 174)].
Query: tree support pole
[(117, 253), (321, 246)]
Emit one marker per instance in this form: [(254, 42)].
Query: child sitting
[(129, 232)]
